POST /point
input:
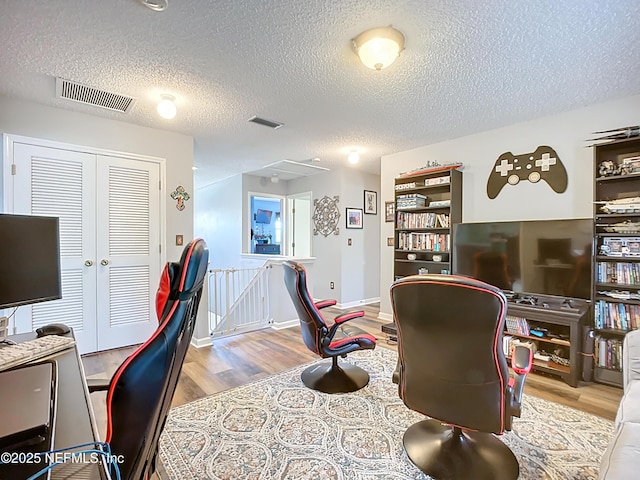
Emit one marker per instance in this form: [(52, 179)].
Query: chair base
[(448, 453), (334, 378)]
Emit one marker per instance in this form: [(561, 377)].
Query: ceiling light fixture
[(167, 107), (274, 178), (156, 5), (379, 47), (354, 157)]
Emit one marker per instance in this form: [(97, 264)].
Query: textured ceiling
[(468, 66)]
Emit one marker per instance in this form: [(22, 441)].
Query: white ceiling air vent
[(93, 96), (266, 123)]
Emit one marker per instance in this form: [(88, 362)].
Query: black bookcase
[(427, 207), (616, 255)]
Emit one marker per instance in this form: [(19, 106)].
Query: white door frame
[(292, 226)]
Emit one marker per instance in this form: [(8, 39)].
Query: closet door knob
[(88, 263), (104, 262)]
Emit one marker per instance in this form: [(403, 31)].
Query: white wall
[(354, 269), (566, 133), (33, 120), (218, 219)]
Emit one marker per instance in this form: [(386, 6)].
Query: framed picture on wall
[(370, 202), (354, 217), (389, 211)]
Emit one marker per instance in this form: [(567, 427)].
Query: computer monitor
[(29, 259)]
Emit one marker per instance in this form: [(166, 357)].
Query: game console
[(542, 164)]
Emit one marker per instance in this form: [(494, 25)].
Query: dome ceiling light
[(167, 107), (379, 47), (156, 5)]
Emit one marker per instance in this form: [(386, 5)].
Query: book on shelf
[(622, 273), (414, 200), (438, 242), (608, 353), (517, 325), (618, 316), (411, 220)]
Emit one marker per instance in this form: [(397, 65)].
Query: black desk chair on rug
[(452, 369), (328, 341), (140, 392)]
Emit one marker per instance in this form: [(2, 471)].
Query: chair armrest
[(98, 384), (345, 317), (325, 303), (340, 319), (521, 363)]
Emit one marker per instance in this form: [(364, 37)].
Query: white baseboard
[(357, 303), (285, 324), (385, 316), (201, 342)]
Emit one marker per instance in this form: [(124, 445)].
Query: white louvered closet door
[(109, 209), (60, 183), (128, 250)]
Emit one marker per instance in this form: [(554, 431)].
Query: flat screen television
[(538, 257), (29, 260)]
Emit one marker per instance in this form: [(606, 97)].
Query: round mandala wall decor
[(326, 215)]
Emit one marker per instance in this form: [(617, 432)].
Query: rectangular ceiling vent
[(93, 96), (266, 123)]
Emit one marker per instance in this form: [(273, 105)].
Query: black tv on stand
[(535, 257)]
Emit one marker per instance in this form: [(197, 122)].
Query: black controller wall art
[(543, 164)]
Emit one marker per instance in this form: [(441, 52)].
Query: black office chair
[(140, 392), (328, 341), (452, 369)]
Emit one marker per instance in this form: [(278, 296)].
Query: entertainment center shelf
[(565, 322)]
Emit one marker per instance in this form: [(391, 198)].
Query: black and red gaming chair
[(452, 369), (332, 341), (140, 392)]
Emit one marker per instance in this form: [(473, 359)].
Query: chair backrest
[(312, 324), (452, 367), (141, 390)]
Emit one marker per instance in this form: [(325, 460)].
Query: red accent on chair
[(163, 291), (452, 369), (140, 392), (325, 303), (326, 340)]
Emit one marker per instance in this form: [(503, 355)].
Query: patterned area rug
[(278, 429)]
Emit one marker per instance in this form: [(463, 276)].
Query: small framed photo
[(389, 211), (354, 217), (370, 202)]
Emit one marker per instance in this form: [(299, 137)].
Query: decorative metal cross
[(181, 196)]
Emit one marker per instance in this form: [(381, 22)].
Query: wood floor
[(244, 358)]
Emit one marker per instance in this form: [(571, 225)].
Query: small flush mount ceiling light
[(379, 47), (167, 107), (354, 157), (156, 5), (275, 178)]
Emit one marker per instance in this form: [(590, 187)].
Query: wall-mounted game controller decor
[(543, 164)]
